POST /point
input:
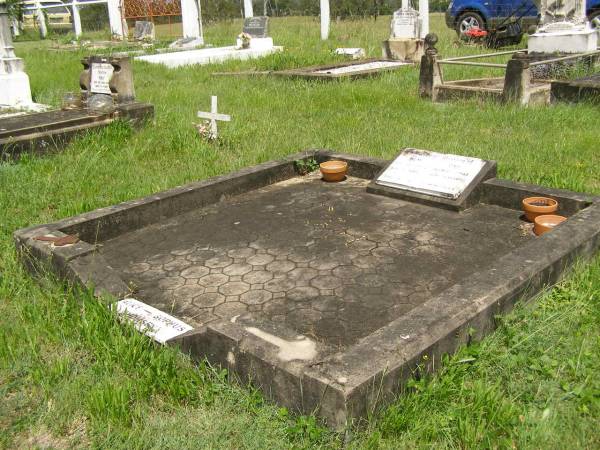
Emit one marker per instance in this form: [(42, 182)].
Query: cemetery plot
[(107, 94), (586, 88), (526, 79), (325, 295), (252, 43), (353, 69)]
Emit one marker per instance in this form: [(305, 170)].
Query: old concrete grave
[(107, 94), (327, 296), (581, 89), (527, 76), (349, 69), (252, 43)]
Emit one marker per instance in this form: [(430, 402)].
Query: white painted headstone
[(100, 79), (442, 175), (153, 322)]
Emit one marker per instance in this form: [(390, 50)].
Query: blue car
[(491, 15)]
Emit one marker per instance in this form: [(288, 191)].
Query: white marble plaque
[(158, 325), (360, 67), (438, 174), (101, 75)]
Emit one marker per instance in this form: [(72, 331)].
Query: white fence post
[(76, 19), (191, 18), (248, 11), (15, 27), (325, 19), (424, 14), (118, 25), (41, 20)]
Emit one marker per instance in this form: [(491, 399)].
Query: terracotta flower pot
[(546, 222), (537, 206), (334, 170)]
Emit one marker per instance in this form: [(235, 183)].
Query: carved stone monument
[(14, 82), (564, 28), (408, 29)]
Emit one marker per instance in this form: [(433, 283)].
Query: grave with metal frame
[(107, 94), (526, 80)]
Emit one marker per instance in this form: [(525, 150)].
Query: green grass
[(71, 376)]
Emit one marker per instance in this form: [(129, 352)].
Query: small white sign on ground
[(101, 75), (442, 175), (153, 322)]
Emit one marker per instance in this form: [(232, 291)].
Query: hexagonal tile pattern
[(255, 297), (328, 260), (234, 288)]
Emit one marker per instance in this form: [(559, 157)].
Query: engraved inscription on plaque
[(101, 75), (256, 26), (431, 173), (153, 322)]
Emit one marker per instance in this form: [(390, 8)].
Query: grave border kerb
[(414, 342)]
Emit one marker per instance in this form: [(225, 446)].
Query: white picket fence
[(118, 26)]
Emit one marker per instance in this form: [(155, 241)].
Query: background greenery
[(71, 376)]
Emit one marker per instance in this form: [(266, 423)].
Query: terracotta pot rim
[(550, 207), (333, 166), (546, 222)]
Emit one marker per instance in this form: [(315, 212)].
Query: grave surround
[(40, 133), (354, 289)]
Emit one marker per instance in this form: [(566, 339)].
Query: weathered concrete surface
[(326, 297), (327, 260), (350, 70), (582, 89), (44, 132)]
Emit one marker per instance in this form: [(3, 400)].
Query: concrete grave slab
[(581, 89), (109, 78), (352, 69), (327, 297)]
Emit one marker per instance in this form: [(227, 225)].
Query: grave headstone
[(445, 180), (564, 29), (256, 27), (109, 76), (144, 31), (408, 29), (437, 174), (14, 82)]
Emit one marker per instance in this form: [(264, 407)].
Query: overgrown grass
[(71, 376)]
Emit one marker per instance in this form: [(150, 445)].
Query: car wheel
[(467, 21), (594, 19)]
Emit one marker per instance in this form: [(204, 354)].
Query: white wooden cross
[(213, 116)]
